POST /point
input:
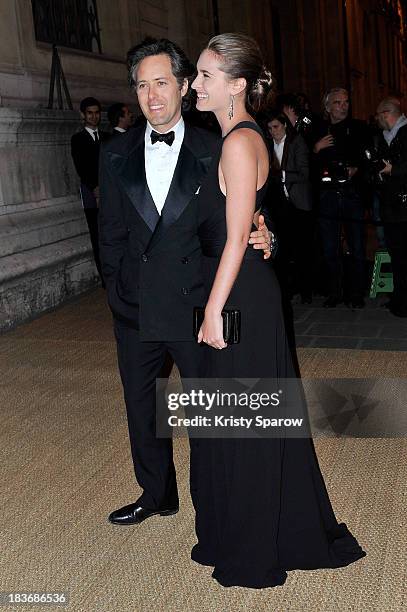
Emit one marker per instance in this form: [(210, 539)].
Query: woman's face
[(211, 84), (276, 129)]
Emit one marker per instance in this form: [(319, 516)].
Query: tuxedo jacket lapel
[(129, 166), (190, 170), (90, 138), (131, 172), (285, 153)]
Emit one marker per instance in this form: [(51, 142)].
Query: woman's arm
[(239, 167)]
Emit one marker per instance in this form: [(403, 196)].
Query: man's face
[(338, 106), (276, 129), (127, 120), (91, 116), (386, 118), (158, 92)]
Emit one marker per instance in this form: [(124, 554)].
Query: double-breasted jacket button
[(185, 260), (184, 291), (144, 257)]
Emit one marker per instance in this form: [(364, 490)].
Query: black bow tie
[(168, 138)]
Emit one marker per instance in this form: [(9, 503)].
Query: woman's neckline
[(235, 126)]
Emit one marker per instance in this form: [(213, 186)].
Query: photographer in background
[(339, 144), (393, 151), (300, 118)]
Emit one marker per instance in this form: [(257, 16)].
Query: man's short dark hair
[(181, 66), (89, 102), (282, 118), (290, 100), (114, 112)]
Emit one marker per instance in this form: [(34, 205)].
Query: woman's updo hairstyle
[(240, 56)]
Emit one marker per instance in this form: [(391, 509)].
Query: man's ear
[(184, 87)]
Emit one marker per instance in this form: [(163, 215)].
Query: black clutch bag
[(231, 324)]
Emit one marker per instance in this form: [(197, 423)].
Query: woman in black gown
[(262, 505)]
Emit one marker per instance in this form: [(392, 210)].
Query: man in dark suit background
[(393, 201), (340, 142), (85, 147), (290, 200), (120, 118), (151, 259)]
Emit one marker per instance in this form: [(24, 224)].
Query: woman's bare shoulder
[(243, 140)]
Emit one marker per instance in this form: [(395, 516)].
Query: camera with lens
[(374, 165), (303, 124), (304, 119)]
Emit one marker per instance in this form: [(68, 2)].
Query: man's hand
[(387, 168), (324, 143), (261, 239)]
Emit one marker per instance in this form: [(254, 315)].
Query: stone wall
[(25, 64), (45, 253)]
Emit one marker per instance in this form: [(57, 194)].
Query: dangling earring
[(230, 112)]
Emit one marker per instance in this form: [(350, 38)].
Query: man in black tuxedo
[(85, 147), (151, 259)]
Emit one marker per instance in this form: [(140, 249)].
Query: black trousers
[(91, 215), (337, 208), (396, 242), (293, 261), (140, 363), (89, 203)]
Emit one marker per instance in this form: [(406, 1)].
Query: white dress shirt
[(160, 161), (279, 150), (92, 132), (119, 129)]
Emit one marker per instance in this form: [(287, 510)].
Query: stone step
[(39, 279), (53, 221)]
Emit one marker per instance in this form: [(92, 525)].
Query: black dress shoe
[(332, 301), (133, 514)]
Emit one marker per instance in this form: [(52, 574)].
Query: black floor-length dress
[(262, 505)]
